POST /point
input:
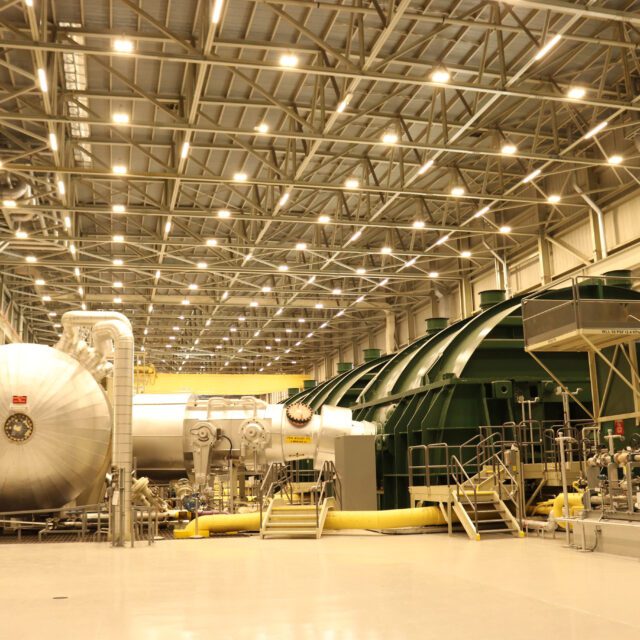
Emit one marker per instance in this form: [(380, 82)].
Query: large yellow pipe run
[(575, 505), (392, 519)]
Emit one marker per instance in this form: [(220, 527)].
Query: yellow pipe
[(392, 519), (575, 505)]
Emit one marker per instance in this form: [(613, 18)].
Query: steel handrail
[(459, 487)]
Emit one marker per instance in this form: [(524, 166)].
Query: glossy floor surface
[(347, 586)]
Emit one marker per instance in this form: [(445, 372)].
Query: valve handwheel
[(299, 414)]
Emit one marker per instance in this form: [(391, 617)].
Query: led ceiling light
[(301, 246), (224, 213), (457, 191), (597, 129), (390, 138), (319, 305), (21, 235), (361, 271), (433, 274), (117, 238), (217, 11), (167, 227), (263, 127), (508, 149), (532, 176), (505, 229), (184, 150), (266, 289), (615, 159), (122, 45), (117, 300), (117, 284), (46, 298), (352, 184), (418, 224), (576, 93), (386, 250), (31, 259), (53, 141), (440, 75), (201, 265), (40, 282), (289, 60), (9, 204), (253, 303), (120, 118), (465, 254), (554, 198), (283, 267), (240, 177), (336, 292), (343, 105), (193, 287), (185, 302), (324, 219), (212, 242), (42, 80), (118, 208), (284, 198), (425, 167), (119, 169), (547, 47)]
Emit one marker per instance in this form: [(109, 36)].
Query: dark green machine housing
[(448, 383)]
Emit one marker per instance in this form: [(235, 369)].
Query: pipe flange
[(253, 434), (299, 414)]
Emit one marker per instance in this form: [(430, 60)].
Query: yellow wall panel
[(220, 384)]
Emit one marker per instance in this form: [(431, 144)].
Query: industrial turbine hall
[(319, 319)]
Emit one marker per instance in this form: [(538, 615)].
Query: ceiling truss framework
[(255, 183)]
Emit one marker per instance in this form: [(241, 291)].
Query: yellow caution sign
[(297, 439)]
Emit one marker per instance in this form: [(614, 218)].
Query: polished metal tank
[(55, 427)]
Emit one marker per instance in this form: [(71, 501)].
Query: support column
[(466, 298), (544, 259)]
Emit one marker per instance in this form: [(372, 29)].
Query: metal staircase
[(284, 518), (483, 494)]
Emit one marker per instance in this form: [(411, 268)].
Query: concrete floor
[(341, 587)]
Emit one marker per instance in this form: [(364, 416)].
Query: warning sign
[(19, 400), (297, 439), (618, 427)]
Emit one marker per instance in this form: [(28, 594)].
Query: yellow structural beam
[(220, 384)]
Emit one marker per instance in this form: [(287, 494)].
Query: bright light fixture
[(425, 167), (225, 295), (284, 198), (31, 259), (441, 76), (61, 187), (118, 208), (301, 246), (212, 242), (46, 298), (554, 198), (361, 271), (505, 229), (40, 282), (119, 169), (167, 226), (266, 289), (386, 250), (185, 302), (184, 150), (390, 138), (532, 176), (508, 149), (418, 224), (576, 93), (217, 11), (117, 284), (319, 305), (457, 191), (72, 249), (122, 45), (120, 118), (465, 254), (352, 184), (117, 300), (117, 238), (433, 274), (597, 129), (9, 204), (289, 60), (117, 262), (224, 213), (301, 320), (343, 105), (193, 286), (547, 47), (615, 159), (42, 80), (324, 219), (336, 292), (241, 318), (202, 265), (263, 127), (253, 303), (53, 141), (283, 267)]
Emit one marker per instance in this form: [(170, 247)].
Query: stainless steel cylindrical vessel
[(55, 427)]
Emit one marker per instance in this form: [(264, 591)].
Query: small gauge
[(18, 427)]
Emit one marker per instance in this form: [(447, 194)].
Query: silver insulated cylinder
[(55, 428)]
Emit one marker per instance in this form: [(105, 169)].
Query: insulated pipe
[(557, 512), (392, 519), (111, 325)]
